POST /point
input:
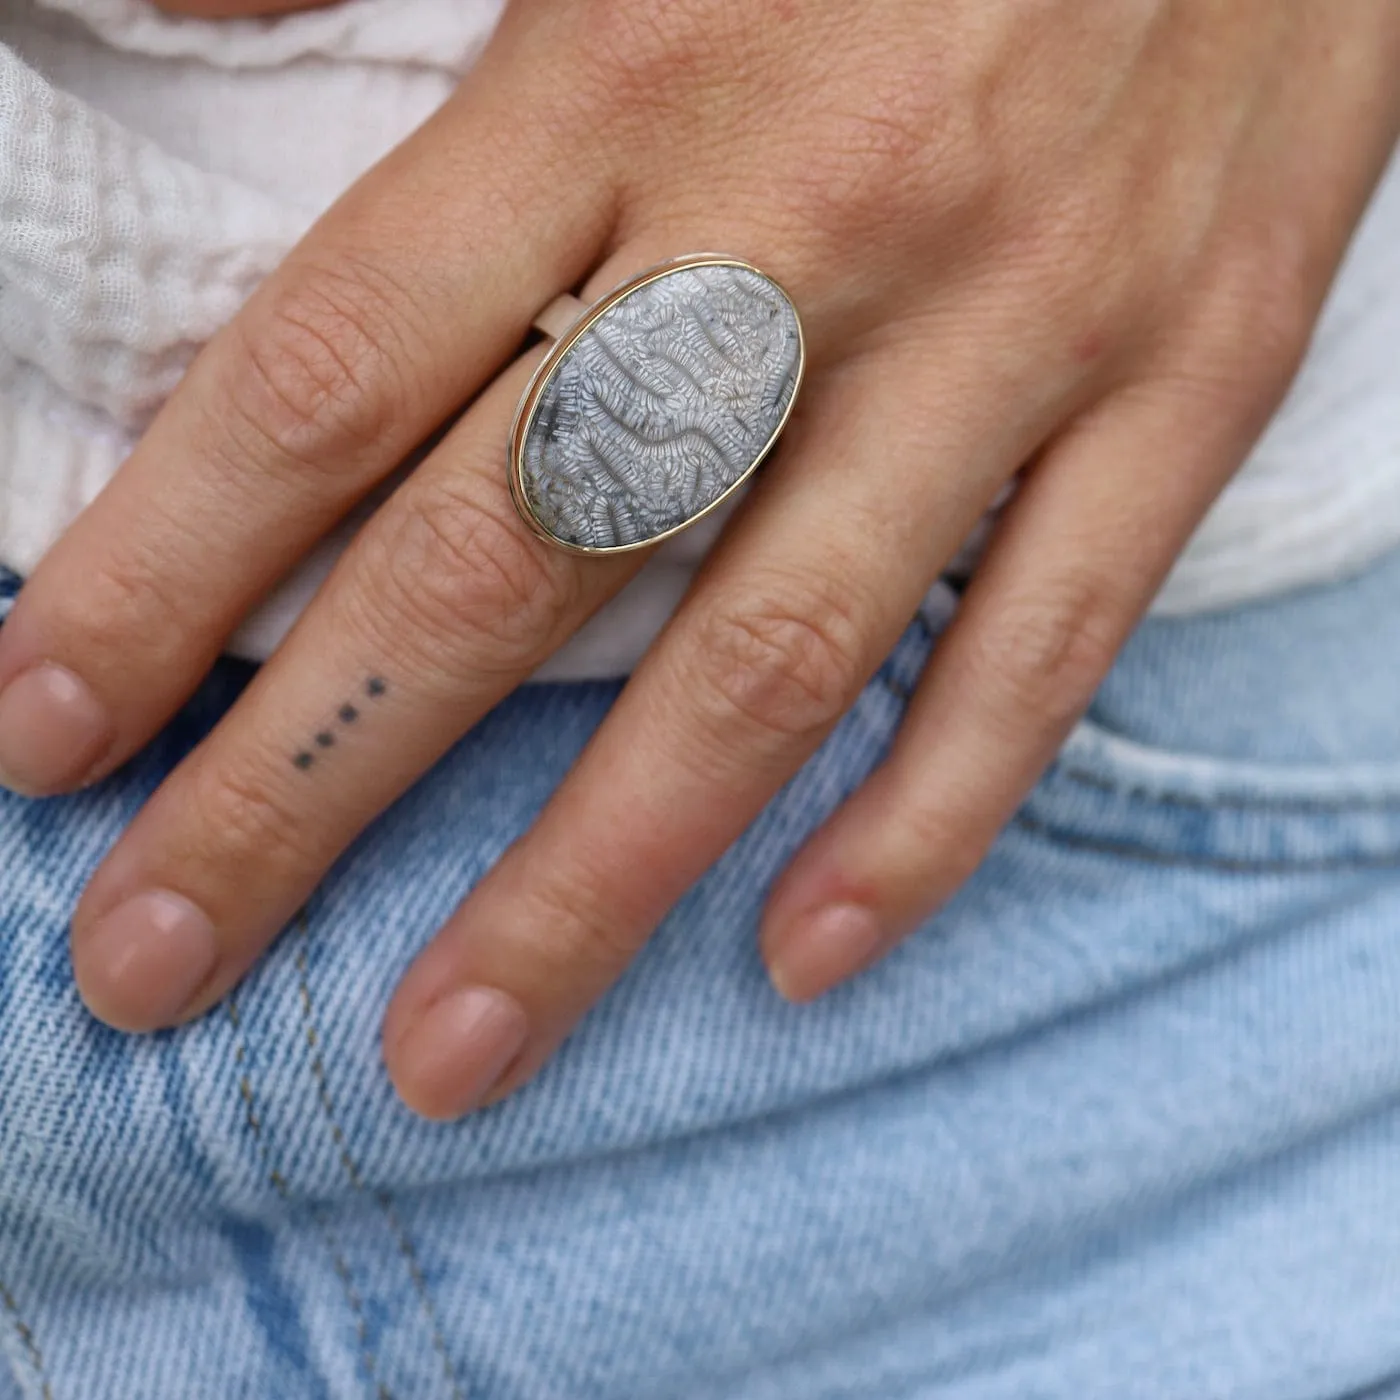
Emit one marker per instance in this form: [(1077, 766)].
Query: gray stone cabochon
[(660, 406)]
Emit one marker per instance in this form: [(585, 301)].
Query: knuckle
[(1246, 325), (581, 928), (1073, 253), (1041, 659), (243, 819), (885, 171), (785, 667), (973, 171), (1262, 305), (870, 183), (595, 940), (946, 842), (1080, 243), (318, 375), (131, 611), (454, 570), (640, 53)]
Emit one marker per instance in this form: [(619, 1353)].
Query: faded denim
[(1122, 1121)]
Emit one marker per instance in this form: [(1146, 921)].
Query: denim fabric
[(1122, 1121)]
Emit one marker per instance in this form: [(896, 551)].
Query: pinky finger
[(1077, 558)]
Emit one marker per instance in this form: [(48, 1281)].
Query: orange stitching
[(279, 1182), (352, 1171), (26, 1336)]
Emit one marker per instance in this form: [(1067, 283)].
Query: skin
[(1082, 241)]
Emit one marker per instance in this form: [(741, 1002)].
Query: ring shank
[(559, 315)]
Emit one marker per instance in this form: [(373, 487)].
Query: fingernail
[(816, 951), (142, 964), (452, 1058), (52, 730)]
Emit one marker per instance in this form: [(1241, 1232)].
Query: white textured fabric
[(153, 170), (442, 34)]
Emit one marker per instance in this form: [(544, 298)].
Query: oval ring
[(654, 404)]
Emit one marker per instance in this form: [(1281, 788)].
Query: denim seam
[(1303, 806), (25, 1333), (352, 1171), (279, 1183), (1300, 805), (1232, 865)]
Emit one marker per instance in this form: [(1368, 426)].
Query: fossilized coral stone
[(664, 402)]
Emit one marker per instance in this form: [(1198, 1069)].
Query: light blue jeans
[(1122, 1123)]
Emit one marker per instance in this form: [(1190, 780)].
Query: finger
[(443, 604), (394, 310), (822, 569), (1079, 554)]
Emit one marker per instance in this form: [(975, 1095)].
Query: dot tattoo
[(348, 713)]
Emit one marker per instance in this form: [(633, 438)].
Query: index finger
[(395, 309)]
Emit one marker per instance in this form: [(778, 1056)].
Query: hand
[(1087, 240)]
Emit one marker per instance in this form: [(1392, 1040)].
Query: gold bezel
[(530, 398)]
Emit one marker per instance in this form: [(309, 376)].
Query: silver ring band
[(559, 315)]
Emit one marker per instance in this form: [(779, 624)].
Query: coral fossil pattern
[(661, 406)]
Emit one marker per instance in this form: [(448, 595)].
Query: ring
[(654, 404)]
